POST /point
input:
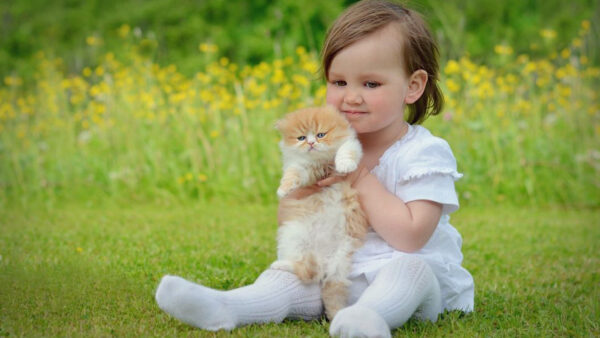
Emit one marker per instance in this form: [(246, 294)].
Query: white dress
[(421, 166)]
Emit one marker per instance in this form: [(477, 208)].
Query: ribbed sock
[(274, 296), (403, 288)]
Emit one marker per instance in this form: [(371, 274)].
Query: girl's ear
[(416, 86)]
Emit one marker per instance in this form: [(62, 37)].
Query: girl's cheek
[(332, 97), (329, 99)]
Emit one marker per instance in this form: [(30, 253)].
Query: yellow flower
[(300, 50), (206, 96), (92, 40), (452, 67), (301, 80), (310, 66), (208, 48), (529, 68), (278, 76), (542, 81), (585, 25), (79, 249), (96, 119), (565, 53), (13, 81), (584, 60), (523, 106), (285, 91), (485, 90), (321, 92), (124, 30), (548, 34), (522, 59), (202, 178), (564, 91), (95, 90), (98, 108), (475, 79), (214, 134), (503, 50), (453, 87)]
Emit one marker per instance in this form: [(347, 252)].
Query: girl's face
[(367, 82)]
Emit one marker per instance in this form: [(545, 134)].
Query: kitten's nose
[(310, 143)]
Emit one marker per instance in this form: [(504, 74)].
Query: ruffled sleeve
[(422, 168)]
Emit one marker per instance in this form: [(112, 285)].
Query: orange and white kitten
[(319, 233)]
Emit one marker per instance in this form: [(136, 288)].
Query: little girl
[(378, 58)]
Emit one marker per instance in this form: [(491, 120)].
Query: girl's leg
[(403, 288), (275, 295)]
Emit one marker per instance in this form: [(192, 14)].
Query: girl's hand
[(352, 177), (302, 192), (283, 213)]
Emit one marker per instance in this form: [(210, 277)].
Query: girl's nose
[(352, 97)]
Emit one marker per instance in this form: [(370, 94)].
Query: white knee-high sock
[(403, 288), (274, 296)]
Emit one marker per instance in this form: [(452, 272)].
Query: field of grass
[(84, 269)]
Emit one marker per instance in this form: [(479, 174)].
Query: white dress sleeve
[(427, 171)]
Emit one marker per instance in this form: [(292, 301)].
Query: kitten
[(320, 233)]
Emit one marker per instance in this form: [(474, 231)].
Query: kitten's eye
[(301, 138), (372, 84), (321, 135)]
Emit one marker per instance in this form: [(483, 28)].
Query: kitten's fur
[(320, 233)]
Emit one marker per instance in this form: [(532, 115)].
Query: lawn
[(91, 270)]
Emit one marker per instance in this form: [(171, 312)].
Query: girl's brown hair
[(419, 48)]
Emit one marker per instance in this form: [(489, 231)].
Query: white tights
[(404, 287)]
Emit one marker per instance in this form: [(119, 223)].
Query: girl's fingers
[(303, 192), (330, 180)]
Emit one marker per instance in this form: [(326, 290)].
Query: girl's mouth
[(353, 113)]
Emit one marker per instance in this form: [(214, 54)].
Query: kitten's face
[(314, 131)]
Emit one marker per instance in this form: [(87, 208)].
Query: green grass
[(89, 269)]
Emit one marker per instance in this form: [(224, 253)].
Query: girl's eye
[(371, 84), (301, 138), (339, 83), (321, 135)]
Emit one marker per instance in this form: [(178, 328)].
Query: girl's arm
[(405, 226)]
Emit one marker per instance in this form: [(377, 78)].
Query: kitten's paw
[(287, 185), (282, 192), (283, 265), (345, 165)]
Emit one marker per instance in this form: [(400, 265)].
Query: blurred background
[(135, 100)]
